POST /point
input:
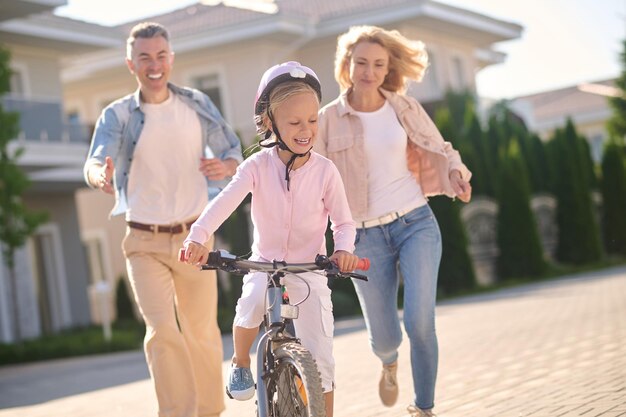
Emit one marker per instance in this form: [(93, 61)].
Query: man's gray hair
[(145, 30)]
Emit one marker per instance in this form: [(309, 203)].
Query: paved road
[(550, 349)]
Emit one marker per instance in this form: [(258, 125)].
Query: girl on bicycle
[(294, 193)]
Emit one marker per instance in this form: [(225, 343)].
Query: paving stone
[(550, 349)]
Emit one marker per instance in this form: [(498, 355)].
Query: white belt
[(382, 220)]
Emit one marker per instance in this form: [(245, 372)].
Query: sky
[(564, 42)]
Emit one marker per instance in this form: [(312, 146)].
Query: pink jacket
[(289, 225), (429, 157)]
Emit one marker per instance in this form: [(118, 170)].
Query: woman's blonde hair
[(278, 96), (407, 59)]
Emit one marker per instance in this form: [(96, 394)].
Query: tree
[(521, 253), (17, 223), (579, 237), (540, 176), (617, 123), (456, 272), (474, 150), (613, 187)]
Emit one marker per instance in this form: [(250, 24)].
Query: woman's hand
[(462, 188), (194, 253), (346, 261)]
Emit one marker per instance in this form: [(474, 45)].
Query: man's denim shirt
[(119, 127)]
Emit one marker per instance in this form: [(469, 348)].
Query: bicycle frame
[(276, 312), (275, 325)]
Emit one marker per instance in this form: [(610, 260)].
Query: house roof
[(328, 16), (204, 25), (56, 33), (587, 97)]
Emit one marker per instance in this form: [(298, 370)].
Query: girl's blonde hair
[(278, 96), (407, 59)]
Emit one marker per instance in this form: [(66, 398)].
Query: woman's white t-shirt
[(392, 187)]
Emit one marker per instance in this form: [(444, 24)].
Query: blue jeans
[(411, 247)]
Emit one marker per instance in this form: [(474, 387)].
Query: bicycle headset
[(278, 74)]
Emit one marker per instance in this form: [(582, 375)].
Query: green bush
[(579, 237), (613, 187), (123, 303), (456, 272), (345, 300), (126, 335), (518, 240)]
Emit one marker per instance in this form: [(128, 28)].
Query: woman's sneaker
[(240, 384), (418, 412), (388, 384)]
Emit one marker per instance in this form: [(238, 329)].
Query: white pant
[(315, 322)]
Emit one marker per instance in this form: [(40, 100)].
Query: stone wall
[(480, 219)]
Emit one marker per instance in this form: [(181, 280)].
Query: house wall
[(63, 213), (40, 68), (239, 68)]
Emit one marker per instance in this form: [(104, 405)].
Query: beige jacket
[(429, 157)]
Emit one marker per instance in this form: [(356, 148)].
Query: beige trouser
[(186, 363)]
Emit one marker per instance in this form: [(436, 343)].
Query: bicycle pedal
[(228, 393)]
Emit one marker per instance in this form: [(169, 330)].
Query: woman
[(391, 158)]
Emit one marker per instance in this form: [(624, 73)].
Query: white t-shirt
[(392, 187), (165, 185)]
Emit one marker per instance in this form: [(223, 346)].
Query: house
[(53, 272), (586, 104), (223, 48)]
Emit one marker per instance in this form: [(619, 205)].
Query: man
[(148, 150)]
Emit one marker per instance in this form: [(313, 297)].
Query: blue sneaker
[(240, 384)]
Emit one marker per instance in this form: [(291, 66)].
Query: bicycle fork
[(274, 299)]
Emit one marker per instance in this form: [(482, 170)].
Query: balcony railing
[(43, 121)]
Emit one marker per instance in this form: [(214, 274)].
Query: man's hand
[(462, 188), (216, 169), (101, 176)]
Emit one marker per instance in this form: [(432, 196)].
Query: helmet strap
[(282, 145)]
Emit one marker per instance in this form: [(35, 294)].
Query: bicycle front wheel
[(295, 388)]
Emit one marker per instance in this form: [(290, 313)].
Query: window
[(430, 77), (73, 117), (17, 84), (210, 85), (458, 73)]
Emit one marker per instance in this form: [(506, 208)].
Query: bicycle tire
[(295, 388)]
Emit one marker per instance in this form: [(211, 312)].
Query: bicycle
[(288, 382)]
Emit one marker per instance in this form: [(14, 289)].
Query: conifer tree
[(613, 188), (579, 238), (456, 272), (475, 138), (538, 154), (521, 254), (617, 123)]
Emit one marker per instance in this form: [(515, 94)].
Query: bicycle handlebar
[(231, 263)]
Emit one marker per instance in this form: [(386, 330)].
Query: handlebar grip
[(363, 264)]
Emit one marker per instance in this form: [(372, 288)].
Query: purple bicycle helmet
[(278, 74), (287, 71)]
